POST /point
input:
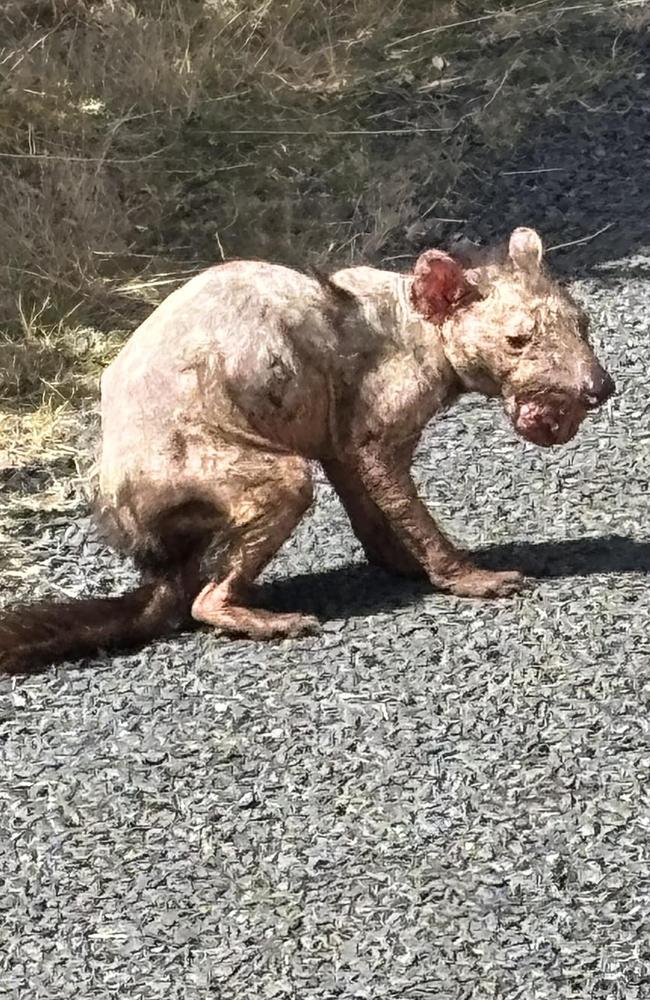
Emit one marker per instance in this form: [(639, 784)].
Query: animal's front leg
[(380, 543), (390, 487)]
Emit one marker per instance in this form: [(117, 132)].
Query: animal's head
[(509, 330)]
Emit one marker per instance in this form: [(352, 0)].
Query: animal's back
[(206, 358)]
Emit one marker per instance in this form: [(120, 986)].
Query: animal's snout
[(599, 388)]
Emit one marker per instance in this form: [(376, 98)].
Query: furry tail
[(35, 636)]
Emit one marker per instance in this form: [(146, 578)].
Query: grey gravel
[(435, 798)]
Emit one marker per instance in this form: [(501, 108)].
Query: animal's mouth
[(546, 418)]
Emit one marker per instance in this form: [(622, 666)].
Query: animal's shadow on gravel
[(570, 557), (354, 590), (359, 589)]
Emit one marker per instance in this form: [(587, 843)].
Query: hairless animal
[(215, 408)]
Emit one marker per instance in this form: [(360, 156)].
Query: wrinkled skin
[(214, 409)]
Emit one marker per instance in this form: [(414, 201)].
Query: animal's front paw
[(483, 583)]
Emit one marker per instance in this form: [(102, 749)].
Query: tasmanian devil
[(221, 399)]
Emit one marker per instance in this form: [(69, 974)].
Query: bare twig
[(70, 158), (177, 107), (583, 239), (216, 170), (156, 282), (498, 89), (221, 250), (537, 170), (436, 218), (329, 133)]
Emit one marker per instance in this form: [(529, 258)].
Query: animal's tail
[(35, 636)]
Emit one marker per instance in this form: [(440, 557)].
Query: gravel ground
[(435, 799)]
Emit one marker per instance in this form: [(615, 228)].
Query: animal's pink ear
[(525, 249), (440, 285)]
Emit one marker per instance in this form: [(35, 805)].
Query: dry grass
[(141, 140)]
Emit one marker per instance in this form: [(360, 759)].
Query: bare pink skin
[(215, 408)]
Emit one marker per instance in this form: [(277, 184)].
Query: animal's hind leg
[(265, 509)]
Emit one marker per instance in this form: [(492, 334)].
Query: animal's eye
[(518, 340)]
